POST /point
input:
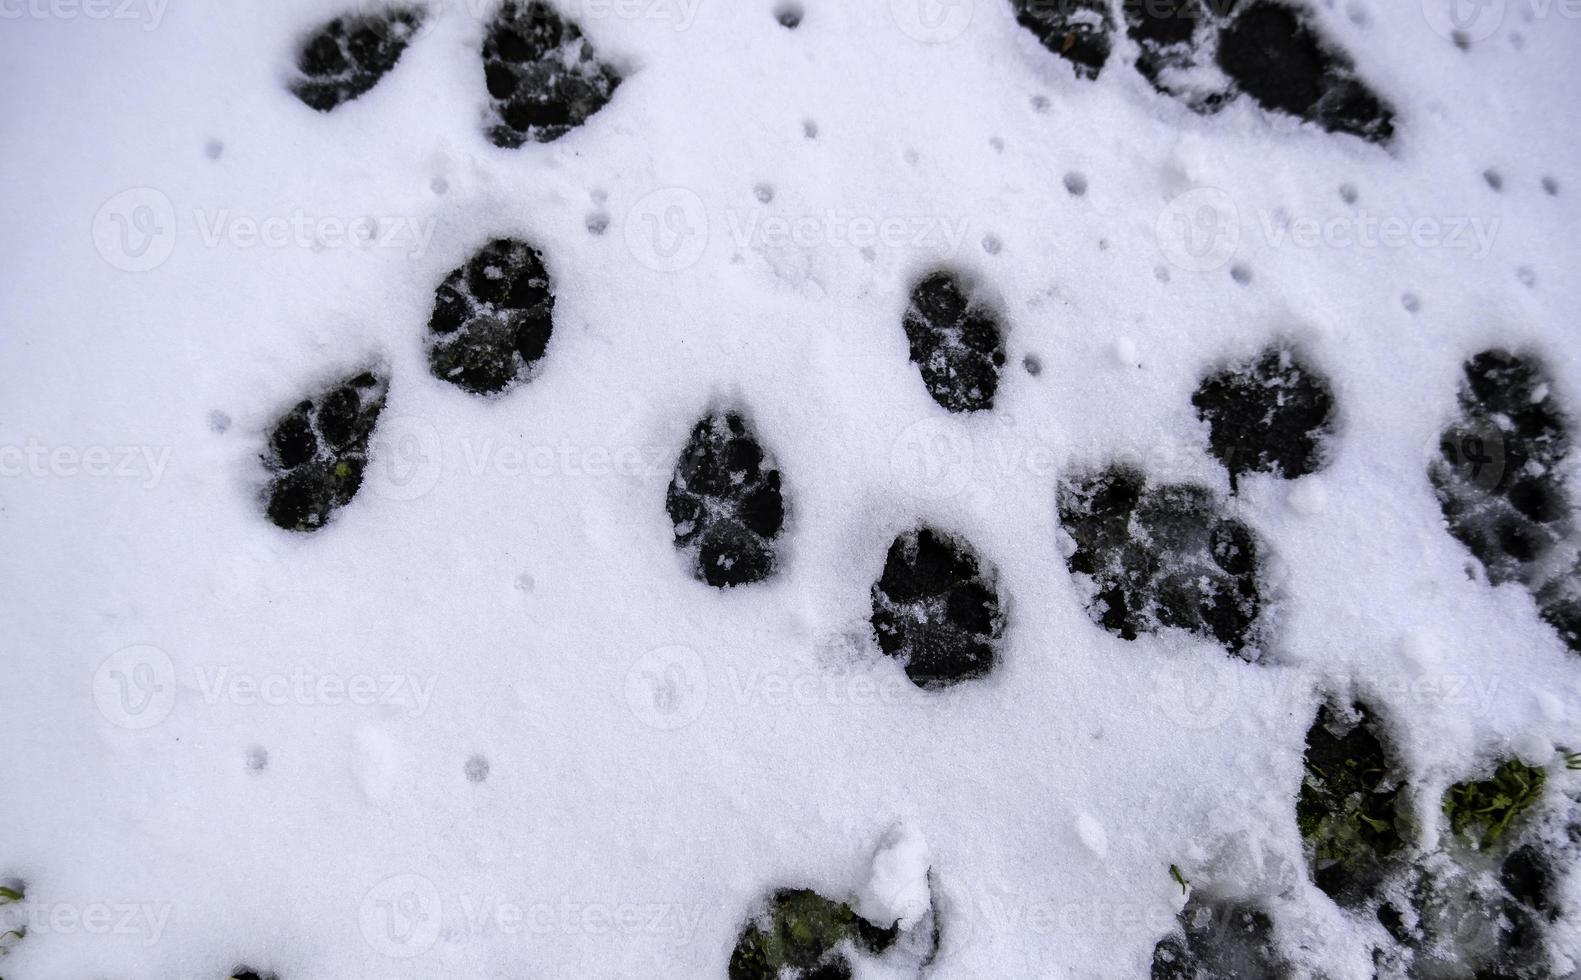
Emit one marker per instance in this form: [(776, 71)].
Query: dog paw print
[(936, 609), (1348, 810), (347, 56), (318, 450), (492, 319), (1273, 414), (1161, 556), (1220, 939), (1175, 40), (802, 935), (956, 342), (726, 503), (544, 78), (1498, 481), (1277, 57), (1077, 30)]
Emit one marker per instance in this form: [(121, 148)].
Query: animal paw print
[(543, 76), (348, 56), (492, 319), (1206, 52), (1278, 58), (1498, 481), (1348, 809), (956, 343), (804, 936), (1076, 30), (318, 450), (1271, 415), (1220, 939), (936, 610), (1162, 556), (726, 503)]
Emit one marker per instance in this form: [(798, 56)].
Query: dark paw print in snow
[(492, 318), (956, 343), (349, 55), (936, 609), (1220, 941), (543, 76), (1274, 55), (1270, 415), (1162, 556), (805, 936), (1174, 38), (726, 503), (1076, 30), (1498, 480), (318, 450), (1348, 810)]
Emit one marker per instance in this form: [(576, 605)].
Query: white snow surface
[(226, 744)]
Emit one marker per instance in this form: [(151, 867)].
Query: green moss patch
[(1482, 811), (808, 935)]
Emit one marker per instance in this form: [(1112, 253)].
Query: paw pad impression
[(544, 78), (1161, 556), (1219, 939), (1348, 811), (318, 450), (1498, 478), (956, 343), (725, 502), (1077, 30), (936, 609), (348, 56), (492, 318), (1270, 415)]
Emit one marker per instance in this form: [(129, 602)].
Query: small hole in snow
[(764, 193), (809, 129), (1161, 273), (597, 222), (868, 253), (1040, 103), (1032, 364), (1551, 186), (1347, 193), (219, 421), (1411, 302), (439, 185), (257, 759), (213, 148), (1462, 40), (1241, 273), (997, 144), (789, 13), (991, 244), (477, 769), (1494, 178), (525, 582), (1076, 183), (1527, 275)]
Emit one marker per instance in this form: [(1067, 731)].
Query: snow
[(659, 754)]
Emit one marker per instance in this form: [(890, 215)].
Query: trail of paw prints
[(1162, 556), (1273, 414), (346, 57), (726, 503), (1499, 482), (936, 609), (492, 319), (956, 343), (1207, 52), (318, 451), (544, 78)]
